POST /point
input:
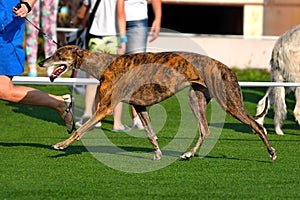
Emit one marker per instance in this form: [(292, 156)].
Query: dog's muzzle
[(57, 72)]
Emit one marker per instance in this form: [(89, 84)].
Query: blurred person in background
[(44, 15), (133, 31), (102, 37)]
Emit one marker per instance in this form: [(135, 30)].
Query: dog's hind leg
[(143, 115), (279, 109), (198, 100), (242, 115), (297, 106)]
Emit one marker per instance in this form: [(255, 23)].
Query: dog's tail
[(264, 112), (265, 101)]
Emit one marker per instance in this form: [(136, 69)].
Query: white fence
[(58, 81), (88, 81)]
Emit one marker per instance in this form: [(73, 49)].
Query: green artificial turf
[(106, 165)]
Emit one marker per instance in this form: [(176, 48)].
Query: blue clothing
[(12, 56), (137, 33)]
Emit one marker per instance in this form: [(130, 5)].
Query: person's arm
[(82, 11), (25, 8), (155, 28), (80, 18), (121, 16)]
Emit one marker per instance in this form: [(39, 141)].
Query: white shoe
[(83, 119), (137, 123)]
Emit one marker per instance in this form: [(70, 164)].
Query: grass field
[(105, 165)]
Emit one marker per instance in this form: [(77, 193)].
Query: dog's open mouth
[(57, 72)]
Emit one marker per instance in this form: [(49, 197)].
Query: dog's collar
[(77, 63)]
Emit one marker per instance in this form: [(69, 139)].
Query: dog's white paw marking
[(58, 146), (186, 156), (273, 154), (278, 131), (55, 147), (157, 155)]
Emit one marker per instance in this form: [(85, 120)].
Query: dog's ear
[(78, 51)]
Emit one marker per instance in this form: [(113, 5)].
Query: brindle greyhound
[(144, 79)]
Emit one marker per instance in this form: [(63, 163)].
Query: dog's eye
[(58, 54)]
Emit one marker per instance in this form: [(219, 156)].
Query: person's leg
[(137, 34), (110, 47), (89, 99), (107, 45), (90, 92), (118, 125), (48, 21), (32, 39), (32, 96), (95, 44)]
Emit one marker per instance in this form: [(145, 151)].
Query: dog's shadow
[(111, 150)]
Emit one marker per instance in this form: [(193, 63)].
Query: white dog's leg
[(261, 106), (297, 106), (279, 109)]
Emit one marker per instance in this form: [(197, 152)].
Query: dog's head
[(64, 59)]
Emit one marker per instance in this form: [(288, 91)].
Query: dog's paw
[(273, 154), (278, 130), (157, 155), (59, 146), (186, 156)]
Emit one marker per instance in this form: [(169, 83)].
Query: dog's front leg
[(143, 115), (102, 112), (66, 143)]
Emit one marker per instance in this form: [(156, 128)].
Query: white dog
[(285, 67)]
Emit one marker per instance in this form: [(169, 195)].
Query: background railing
[(88, 81)]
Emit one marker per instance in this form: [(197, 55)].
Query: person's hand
[(80, 18), (154, 31), (122, 48), (76, 21), (21, 10)]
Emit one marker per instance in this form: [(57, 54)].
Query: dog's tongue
[(57, 72)]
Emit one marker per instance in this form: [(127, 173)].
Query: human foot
[(68, 114)]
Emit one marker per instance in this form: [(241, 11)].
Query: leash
[(41, 32)]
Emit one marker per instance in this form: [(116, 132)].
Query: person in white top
[(133, 28), (104, 22), (102, 37)]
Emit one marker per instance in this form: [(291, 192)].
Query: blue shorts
[(137, 34), (12, 57)]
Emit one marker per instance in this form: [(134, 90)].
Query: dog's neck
[(94, 63)]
